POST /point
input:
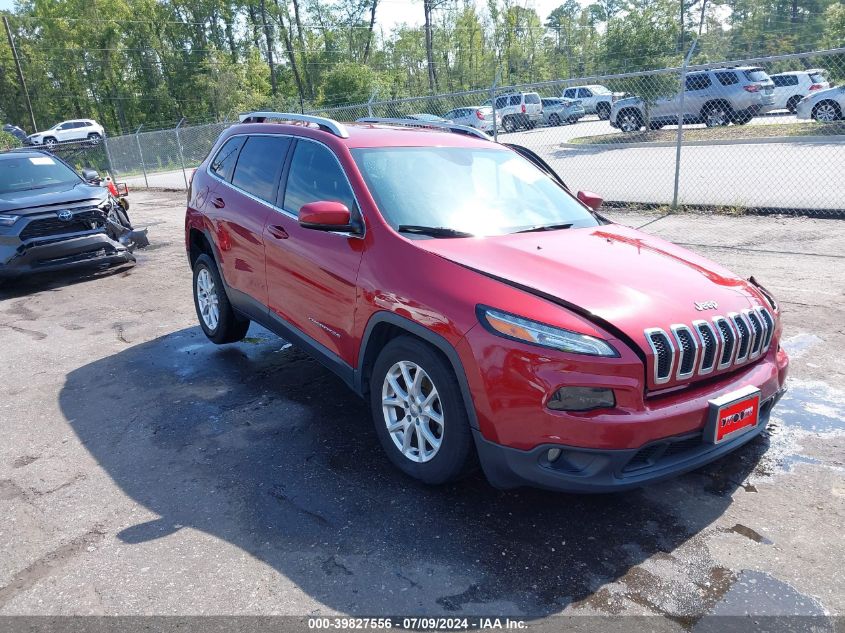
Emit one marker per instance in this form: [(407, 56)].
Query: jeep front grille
[(707, 346)]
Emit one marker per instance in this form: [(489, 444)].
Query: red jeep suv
[(487, 313)]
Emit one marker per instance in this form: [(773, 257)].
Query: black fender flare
[(426, 335)]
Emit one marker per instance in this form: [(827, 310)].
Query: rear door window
[(515, 100), (223, 163), (501, 102), (260, 164), (316, 175), (727, 78), (570, 93), (698, 81)]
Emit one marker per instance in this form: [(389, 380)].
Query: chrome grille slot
[(757, 331), (687, 350), (709, 346), (728, 341), (743, 333), (664, 354), (769, 322)]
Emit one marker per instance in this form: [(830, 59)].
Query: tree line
[(128, 63)]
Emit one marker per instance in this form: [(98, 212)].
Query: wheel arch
[(384, 327)]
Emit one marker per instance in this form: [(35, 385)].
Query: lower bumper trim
[(585, 470)]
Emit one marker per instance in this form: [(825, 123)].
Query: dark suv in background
[(51, 218)]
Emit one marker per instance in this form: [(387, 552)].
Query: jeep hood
[(627, 278), (39, 200)]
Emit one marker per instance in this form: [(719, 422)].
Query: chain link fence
[(758, 134)]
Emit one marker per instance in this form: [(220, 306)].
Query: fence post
[(181, 155), (681, 124), (370, 103), (108, 159), (493, 104), (141, 154)]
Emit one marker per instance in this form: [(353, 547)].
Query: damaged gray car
[(51, 218)]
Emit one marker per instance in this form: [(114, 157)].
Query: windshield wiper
[(545, 227), (433, 231)]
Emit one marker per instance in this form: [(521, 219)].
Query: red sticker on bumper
[(738, 415)]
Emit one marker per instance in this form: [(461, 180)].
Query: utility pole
[(20, 73)]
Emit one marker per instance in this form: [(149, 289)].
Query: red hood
[(630, 279)]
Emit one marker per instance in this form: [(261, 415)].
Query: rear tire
[(603, 111), (554, 120), (416, 401), (508, 124), (214, 312), (792, 104)]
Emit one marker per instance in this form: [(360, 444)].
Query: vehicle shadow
[(257, 444), (39, 282)]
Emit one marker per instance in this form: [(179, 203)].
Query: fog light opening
[(581, 399), (553, 454)]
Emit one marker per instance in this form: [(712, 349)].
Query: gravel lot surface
[(144, 470)]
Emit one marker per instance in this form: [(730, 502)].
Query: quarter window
[(224, 163), (316, 175), (259, 164)]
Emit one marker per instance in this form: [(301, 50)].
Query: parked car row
[(73, 131)]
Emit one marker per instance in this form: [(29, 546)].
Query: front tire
[(419, 412), (629, 120), (827, 112), (94, 138), (554, 120), (50, 143), (216, 316)]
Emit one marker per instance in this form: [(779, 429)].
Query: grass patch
[(728, 133)]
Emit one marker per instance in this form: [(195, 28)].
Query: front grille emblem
[(65, 215), (705, 305)]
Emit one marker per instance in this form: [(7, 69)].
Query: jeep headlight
[(520, 329)]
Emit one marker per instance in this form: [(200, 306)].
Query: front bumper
[(584, 470), (95, 249)]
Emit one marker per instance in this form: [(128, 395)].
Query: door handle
[(278, 232), (218, 202)]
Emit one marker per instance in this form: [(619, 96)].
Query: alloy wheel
[(413, 412), (628, 123), (826, 112), (207, 299), (716, 117)]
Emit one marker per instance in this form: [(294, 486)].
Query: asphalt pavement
[(144, 470)]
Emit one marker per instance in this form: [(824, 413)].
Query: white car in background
[(823, 105), (481, 117), (792, 86), (69, 131)]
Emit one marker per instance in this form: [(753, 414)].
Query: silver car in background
[(715, 97), (479, 117), (557, 111)]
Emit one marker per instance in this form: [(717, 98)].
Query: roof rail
[(451, 127), (327, 125)]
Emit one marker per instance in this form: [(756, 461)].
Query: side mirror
[(592, 200), (91, 175), (326, 215)]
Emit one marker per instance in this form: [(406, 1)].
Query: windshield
[(472, 190), (19, 173)]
